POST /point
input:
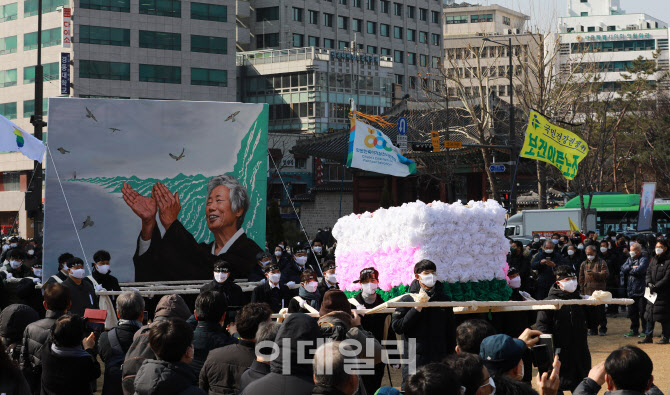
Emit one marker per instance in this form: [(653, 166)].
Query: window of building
[(585, 14), (411, 58), (437, 61), (342, 45), (7, 78), (372, 49), (8, 12), (104, 35), (209, 77), (398, 57), (343, 2), (357, 25), (356, 3), (342, 22), (384, 29), (329, 43), (29, 107), (50, 37), (454, 20), (423, 37), (162, 74), (483, 18), (435, 17), (385, 6), (313, 17), (8, 110), (209, 12), (423, 14), (267, 14), (411, 11), (370, 4), (399, 79), (386, 51), (411, 82), (372, 27), (10, 181), (423, 60), (104, 70), (571, 29), (435, 39), (30, 6), (7, 45), (397, 9), (267, 40), (160, 40), (397, 32), (298, 14), (104, 5), (298, 40), (327, 19), (171, 8), (611, 28), (411, 35), (584, 1), (506, 21), (50, 72), (312, 41), (591, 29), (209, 44)]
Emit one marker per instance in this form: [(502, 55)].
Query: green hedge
[(480, 290)]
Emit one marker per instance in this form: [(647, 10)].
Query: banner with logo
[(67, 27), (647, 196), (552, 144), (372, 150), (64, 73)]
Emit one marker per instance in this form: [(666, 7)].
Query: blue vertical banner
[(64, 73)]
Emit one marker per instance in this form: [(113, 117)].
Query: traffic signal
[(422, 147)]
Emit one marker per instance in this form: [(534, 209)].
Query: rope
[(76, 231), (372, 118)]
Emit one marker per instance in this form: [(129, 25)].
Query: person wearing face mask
[(544, 263), (26, 291), (13, 244), (63, 271), (591, 239), (257, 273), (235, 297), (609, 255), (308, 292), (82, 292), (519, 258), (290, 276), (574, 258), (280, 257), (434, 328), (535, 245), (272, 292), (635, 272), (563, 245), (102, 274), (593, 274), (329, 279), (320, 253), (11, 274), (658, 281), (568, 327)]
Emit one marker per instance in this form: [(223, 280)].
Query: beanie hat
[(335, 300)]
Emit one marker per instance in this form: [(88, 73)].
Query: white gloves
[(290, 284), (262, 281), (9, 275), (99, 288), (302, 304), (36, 280)]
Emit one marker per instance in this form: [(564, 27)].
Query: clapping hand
[(168, 204)]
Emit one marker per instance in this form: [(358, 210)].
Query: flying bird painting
[(89, 114), (88, 222), (177, 158), (62, 150), (232, 116), (114, 130)]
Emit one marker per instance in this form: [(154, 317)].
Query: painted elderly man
[(177, 255)]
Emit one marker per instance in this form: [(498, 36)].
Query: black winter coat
[(658, 275), (433, 328), (165, 378), (521, 262), (223, 368), (34, 338), (235, 297), (207, 336), (546, 274), (12, 382), (125, 333), (636, 277), (568, 326), (68, 375), (323, 287), (614, 268), (276, 298), (256, 371)]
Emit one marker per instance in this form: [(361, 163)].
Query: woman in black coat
[(658, 280)]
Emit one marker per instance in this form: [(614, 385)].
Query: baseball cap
[(501, 352)]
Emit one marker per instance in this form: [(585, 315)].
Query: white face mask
[(603, 249), (659, 251), (369, 288), (331, 278), (37, 272), (569, 286), (548, 250), (310, 286), (277, 253), (301, 260), (515, 282), (102, 269), (555, 241), (536, 239), (65, 268), (318, 249), (591, 257), (613, 238), (14, 264), (632, 254), (78, 273), (31, 252), (571, 252), (581, 246), (274, 278), (221, 277), (428, 279), (13, 245)]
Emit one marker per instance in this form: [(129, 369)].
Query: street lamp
[(512, 201)]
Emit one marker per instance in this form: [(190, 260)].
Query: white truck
[(524, 225)]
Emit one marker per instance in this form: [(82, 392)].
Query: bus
[(618, 212)]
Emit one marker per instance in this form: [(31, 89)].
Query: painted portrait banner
[(646, 214), (165, 186)]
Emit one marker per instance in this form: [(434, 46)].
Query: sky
[(543, 13)]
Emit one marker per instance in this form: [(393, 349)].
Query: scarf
[(131, 322), (77, 351), (314, 298)]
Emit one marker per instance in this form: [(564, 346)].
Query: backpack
[(138, 352), (112, 383)]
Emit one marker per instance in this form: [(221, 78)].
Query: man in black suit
[(177, 255), (272, 292)]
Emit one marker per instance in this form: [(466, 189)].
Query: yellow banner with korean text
[(549, 143)]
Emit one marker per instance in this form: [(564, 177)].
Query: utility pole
[(512, 172), (35, 193)]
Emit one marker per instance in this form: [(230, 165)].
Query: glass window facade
[(484, 18), (357, 25), (298, 14), (171, 8), (327, 19), (104, 70), (106, 5), (384, 29), (267, 14), (209, 12), (7, 45), (328, 43), (8, 110), (209, 77), (209, 44), (435, 17), (160, 40), (50, 72), (267, 40), (435, 39), (452, 20), (298, 40), (411, 35), (50, 37), (398, 57), (30, 6), (397, 32), (104, 35), (614, 46), (313, 17), (7, 78), (411, 58), (342, 22), (8, 12), (163, 74), (372, 27), (313, 41)]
